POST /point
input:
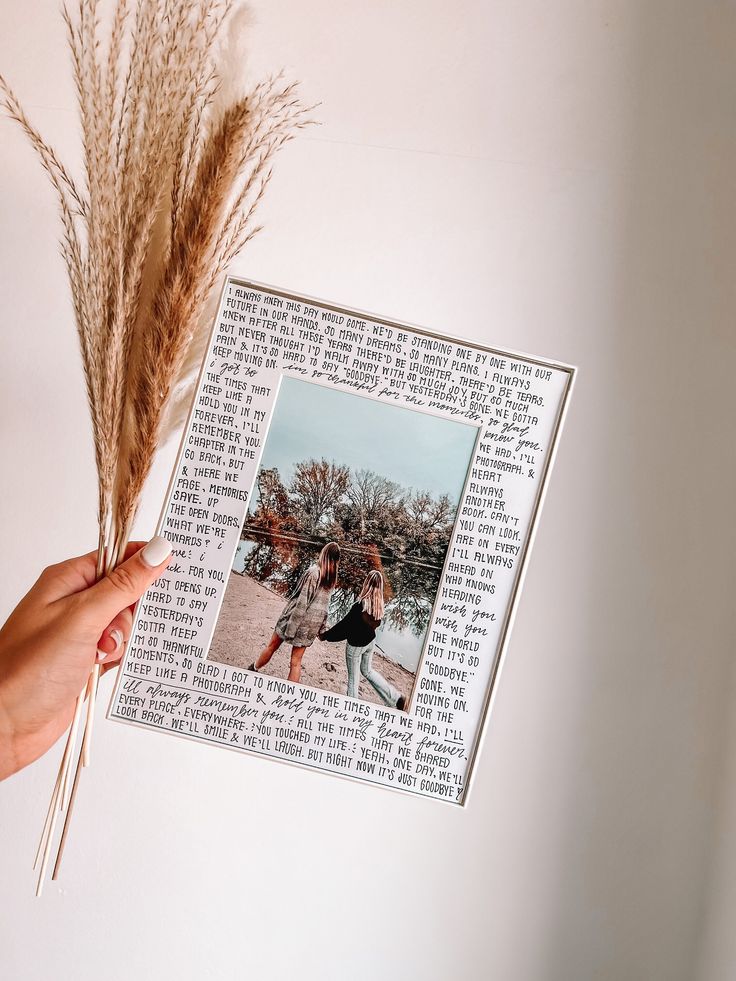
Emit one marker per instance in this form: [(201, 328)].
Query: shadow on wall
[(657, 621)]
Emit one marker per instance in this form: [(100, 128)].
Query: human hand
[(49, 644)]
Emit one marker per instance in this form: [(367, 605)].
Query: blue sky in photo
[(414, 449)]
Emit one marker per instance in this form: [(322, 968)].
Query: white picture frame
[(269, 344)]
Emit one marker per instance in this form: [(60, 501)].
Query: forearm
[(26, 730), (336, 633), (31, 718)]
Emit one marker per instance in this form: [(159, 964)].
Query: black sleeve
[(340, 630), (372, 623)]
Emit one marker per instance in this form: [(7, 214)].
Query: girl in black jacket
[(358, 628)]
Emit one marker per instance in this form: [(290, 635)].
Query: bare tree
[(371, 495), (271, 492), (428, 512), (316, 488)]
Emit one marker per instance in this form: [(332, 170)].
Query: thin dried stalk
[(175, 166)]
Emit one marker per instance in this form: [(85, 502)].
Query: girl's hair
[(371, 595), (329, 559)]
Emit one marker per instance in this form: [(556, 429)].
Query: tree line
[(326, 501)]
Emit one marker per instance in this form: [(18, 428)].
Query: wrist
[(12, 755)]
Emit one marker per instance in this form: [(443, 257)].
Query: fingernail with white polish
[(157, 550), (117, 637)]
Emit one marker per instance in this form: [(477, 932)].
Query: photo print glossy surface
[(383, 483)]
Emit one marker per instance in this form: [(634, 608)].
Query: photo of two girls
[(304, 618), (342, 549)]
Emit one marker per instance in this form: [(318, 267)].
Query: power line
[(348, 548)]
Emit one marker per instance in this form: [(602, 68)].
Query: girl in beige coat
[(305, 612)]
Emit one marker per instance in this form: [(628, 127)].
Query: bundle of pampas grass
[(174, 170)]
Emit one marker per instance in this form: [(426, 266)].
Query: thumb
[(124, 585)]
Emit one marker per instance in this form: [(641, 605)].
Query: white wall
[(552, 177)]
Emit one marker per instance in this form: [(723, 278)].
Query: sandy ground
[(249, 612)]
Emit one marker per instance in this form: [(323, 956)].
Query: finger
[(112, 643), (125, 584), (108, 666), (74, 575)]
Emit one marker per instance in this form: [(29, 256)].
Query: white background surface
[(551, 177)]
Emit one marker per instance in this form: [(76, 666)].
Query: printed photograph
[(342, 550)]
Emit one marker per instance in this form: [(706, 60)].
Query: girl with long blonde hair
[(305, 613), (358, 629)]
